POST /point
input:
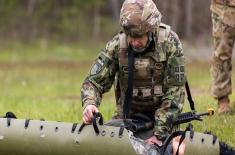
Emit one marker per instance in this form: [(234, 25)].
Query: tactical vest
[(226, 2), (148, 77)]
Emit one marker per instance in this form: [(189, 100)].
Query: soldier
[(223, 20), (145, 61)]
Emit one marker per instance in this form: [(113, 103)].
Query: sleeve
[(174, 80), (101, 75)]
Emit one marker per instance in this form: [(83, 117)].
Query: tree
[(189, 16)]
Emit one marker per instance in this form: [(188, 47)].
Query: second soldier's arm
[(101, 75), (174, 80)]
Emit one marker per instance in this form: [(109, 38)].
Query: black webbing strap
[(175, 134), (121, 130), (26, 124), (214, 139), (74, 126), (190, 99), (180, 142), (81, 128), (129, 91), (8, 121), (96, 129), (94, 123), (189, 128), (168, 140)]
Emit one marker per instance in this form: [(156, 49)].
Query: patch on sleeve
[(96, 68), (179, 73), (102, 62)]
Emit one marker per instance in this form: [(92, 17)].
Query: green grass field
[(43, 81)]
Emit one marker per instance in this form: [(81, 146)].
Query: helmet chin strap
[(150, 39)]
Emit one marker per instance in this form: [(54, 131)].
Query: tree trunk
[(189, 7), (31, 7), (163, 7), (96, 26), (174, 15), (115, 9)]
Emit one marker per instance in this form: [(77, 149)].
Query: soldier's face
[(138, 42)]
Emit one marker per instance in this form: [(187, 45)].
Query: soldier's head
[(140, 20)]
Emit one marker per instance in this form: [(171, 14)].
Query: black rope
[(191, 134), (180, 142), (97, 115), (175, 134), (189, 128), (96, 129), (81, 128), (8, 121), (168, 140), (74, 127), (26, 124), (121, 130), (214, 139)]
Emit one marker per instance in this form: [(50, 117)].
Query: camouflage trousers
[(221, 67), (138, 141), (142, 148)]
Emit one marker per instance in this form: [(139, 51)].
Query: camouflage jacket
[(225, 9), (159, 77)]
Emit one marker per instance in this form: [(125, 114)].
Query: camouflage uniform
[(145, 149), (223, 19), (159, 73)]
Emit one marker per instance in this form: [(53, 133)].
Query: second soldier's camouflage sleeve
[(174, 80), (101, 75)]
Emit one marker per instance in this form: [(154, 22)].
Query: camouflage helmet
[(138, 17)]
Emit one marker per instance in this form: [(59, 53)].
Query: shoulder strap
[(123, 48), (129, 92), (190, 99), (123, 42), (164, 31)]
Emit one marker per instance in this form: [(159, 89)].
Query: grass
[(43, 81), (43, 50), (221, 125)]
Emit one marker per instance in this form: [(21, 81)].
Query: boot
[(223, 104)]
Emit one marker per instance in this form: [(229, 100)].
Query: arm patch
[(179, 73), (176, 72), (101, 62)]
